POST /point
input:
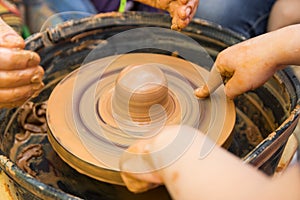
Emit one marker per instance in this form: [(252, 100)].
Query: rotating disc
[(87, 132)]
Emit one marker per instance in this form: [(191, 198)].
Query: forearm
[(285, 186), (219, 175), (287, 48), (192, 167)]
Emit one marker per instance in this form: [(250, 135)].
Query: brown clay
[(113, 111), (140, 88)]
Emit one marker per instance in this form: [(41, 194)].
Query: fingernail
[(188, 11), (197, 92), (36, 78), (32, 61)]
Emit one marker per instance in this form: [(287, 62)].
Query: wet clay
[(32, 119), (113, 105), (140, 88)]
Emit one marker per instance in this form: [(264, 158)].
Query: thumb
[(9, 38), (213, 82)]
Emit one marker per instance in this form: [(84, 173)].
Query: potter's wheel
[(94, 114)]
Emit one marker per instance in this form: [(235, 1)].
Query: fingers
[(20, 73), (14, 59), (20, 76), (178, 24), (19, 94), (17, 86), (182, 12), (248, 78), (137, 183), (202, 92), (236, 86), (9, 38), (12, 104), (188, 9), (17, 78), (214, 81), (136, 168)]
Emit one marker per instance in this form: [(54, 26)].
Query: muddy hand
[(248, 65), (20, 73), (239, 73), (181, 11), (214, 81)]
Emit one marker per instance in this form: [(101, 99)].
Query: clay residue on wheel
[(32, 117), (32, 151), (32, 121)]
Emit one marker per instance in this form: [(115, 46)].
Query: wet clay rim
[(63, 134)]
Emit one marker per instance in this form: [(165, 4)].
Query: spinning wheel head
[(97, 111)]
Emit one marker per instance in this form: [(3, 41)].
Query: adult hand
[(20, 73), (249, 64), (181, 11)]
